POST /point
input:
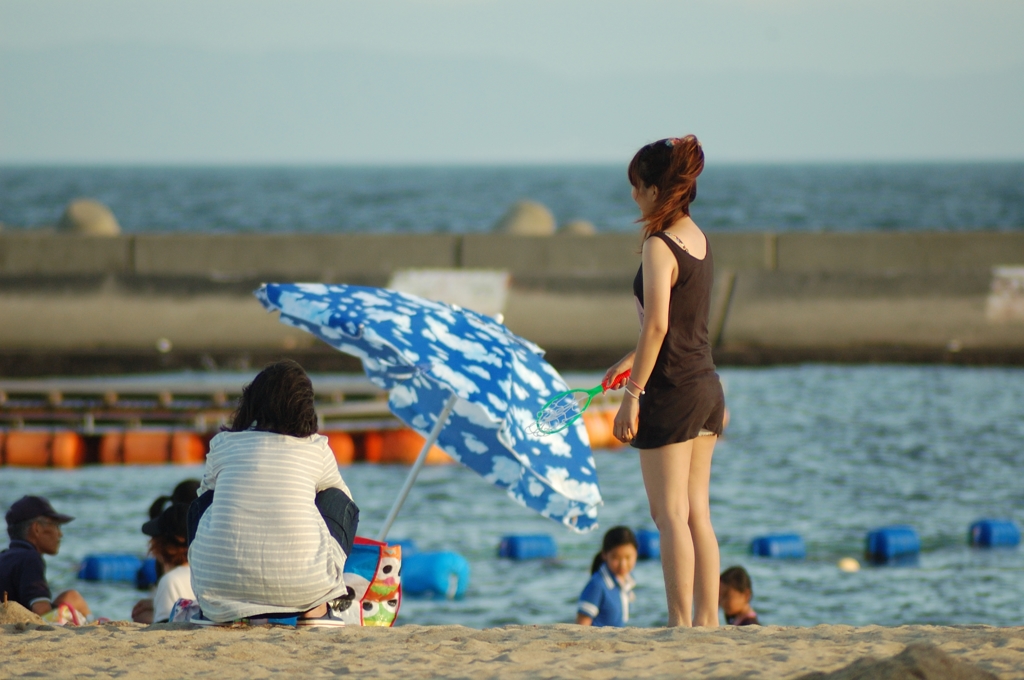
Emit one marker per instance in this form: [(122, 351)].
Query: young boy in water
[(734, 594)]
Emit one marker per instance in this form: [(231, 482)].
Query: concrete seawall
[(81, 305)]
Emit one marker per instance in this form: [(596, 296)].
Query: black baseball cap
[(30, 507), (171, 523)]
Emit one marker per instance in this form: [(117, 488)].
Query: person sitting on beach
[(605, 600), (168, 544), (261, 547), (185, 492), (34, 528), (735, 593)]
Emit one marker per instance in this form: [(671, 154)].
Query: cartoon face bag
[(373, 573)]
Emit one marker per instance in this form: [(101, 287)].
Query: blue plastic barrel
[(435, 574), (110, 567), (994, 533), (530, 547), (408, 545), (891, 543), (779, 546), (146, 575), (648, 544)]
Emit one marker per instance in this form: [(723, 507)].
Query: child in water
[(605, 600), (734, 594)]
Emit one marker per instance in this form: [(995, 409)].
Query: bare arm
[(41, 607), (659, 276), (584, 620), (618, 368)]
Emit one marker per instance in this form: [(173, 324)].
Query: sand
[(127, 650)]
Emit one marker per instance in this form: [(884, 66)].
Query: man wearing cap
[(34, 528)]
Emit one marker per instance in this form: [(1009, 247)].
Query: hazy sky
[(497, 81)]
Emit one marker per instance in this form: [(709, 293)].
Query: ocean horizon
[(732, 197)]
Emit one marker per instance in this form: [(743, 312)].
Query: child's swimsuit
[(606, 599)]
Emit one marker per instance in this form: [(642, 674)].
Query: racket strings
[(562, 412)]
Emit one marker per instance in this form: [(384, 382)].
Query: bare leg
[(73, 598), (317, 612), (707, 564), (666, 472)]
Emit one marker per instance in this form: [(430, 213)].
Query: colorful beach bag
[(373, 574)]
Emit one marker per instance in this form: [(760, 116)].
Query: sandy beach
[(128, 650)]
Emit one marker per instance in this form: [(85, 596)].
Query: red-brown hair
[(170, 550), (672, 165)]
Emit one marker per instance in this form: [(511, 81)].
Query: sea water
[(794, 197), (829, 452)]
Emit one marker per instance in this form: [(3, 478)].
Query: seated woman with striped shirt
[(262, 548)]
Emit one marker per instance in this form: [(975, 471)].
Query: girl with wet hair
[(673, 407)]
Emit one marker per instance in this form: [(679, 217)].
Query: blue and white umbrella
[(462, 379)]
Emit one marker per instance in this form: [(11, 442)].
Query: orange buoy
[(609, 417), (372, 447), (187, 448), (67, 450), (28, 449), (403, 446), (111, 448), (598, 431), (42, 449), (343, 446), (146, 447)]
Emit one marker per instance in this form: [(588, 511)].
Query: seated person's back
[(262, 546)]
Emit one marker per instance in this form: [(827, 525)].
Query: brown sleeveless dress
[(683, 394)]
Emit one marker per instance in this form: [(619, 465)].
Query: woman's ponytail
[(672, 165)]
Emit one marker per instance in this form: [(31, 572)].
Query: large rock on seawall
[(527, 218), (87, 217), (578, 228)]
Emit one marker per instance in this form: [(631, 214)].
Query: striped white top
[(262, 546)]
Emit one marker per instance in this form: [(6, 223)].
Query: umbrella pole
[(415, 471)]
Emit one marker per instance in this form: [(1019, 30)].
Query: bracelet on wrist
[(635, 396), (637, 386)]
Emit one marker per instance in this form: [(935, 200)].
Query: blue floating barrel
[(648, 544), (890, 543), (110, 567), (994, 533), (530, 547), (435, 574), (408, 546), (146, 575), (779, 546)]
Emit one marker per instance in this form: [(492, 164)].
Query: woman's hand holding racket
[(564, 408)]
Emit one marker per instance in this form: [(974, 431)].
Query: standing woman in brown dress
[(673, 406)]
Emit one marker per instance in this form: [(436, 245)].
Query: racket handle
[(610, 385)]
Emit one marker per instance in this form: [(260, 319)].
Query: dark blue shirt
[(23, 574)]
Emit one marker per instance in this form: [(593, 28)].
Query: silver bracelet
[(635, 396)]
